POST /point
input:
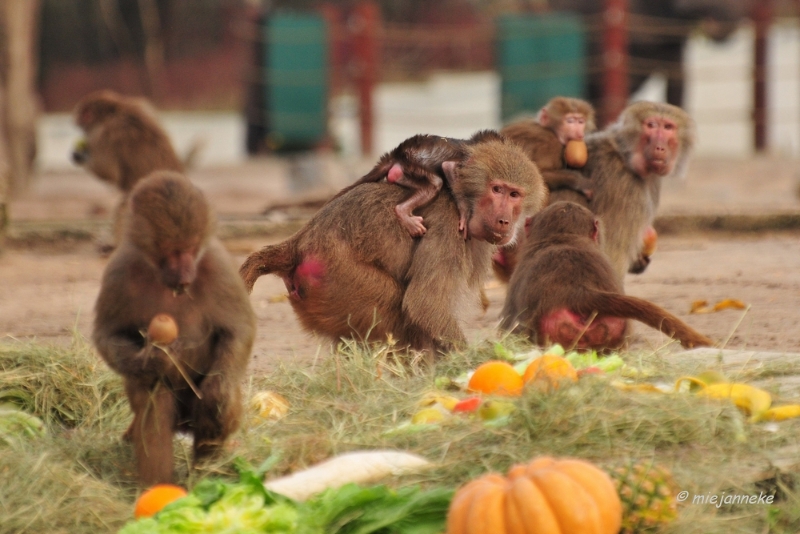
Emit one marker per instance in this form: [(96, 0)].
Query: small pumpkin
[(547, 495), (548, 371)]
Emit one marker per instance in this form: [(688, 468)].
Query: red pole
[(762, 17), (615, 59), (364, 22)]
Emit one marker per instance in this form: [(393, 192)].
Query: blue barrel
[(539, 56)]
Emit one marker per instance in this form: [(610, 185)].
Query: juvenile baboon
[(353, 272), (169, 262), (122, 144), (544, 139), (626, 164), (419, 163), (564, 290)]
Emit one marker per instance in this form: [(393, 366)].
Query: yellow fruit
[(269, 405), (427, 416), (751, 400), (780, 413), (433, 399), (162, 329), (156, 498), (496, 378), (549, 371), (575, 153), (495, 409)]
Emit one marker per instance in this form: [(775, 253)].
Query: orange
[(496, 378), (157, 497), (548, 371)]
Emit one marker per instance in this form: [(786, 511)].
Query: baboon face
[(497, 212)]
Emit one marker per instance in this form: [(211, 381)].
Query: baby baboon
[(352, 272), (565, 291), (419, 163), (545, 138), (123, 143), (169, 262)]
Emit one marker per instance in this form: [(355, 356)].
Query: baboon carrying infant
[(353, 271)]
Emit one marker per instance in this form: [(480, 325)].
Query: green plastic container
[(539, 56), (296, 80)]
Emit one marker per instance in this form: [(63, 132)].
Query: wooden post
[(364, 22), (615, 59), (20, 21), (762, 18)]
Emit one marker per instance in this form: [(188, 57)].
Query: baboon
[(122, 144), (419, 163), (544, 139), (561, 121), (169, 262), (627, 161), (565, 290), (352, 272)]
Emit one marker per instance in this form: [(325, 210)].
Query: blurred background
[(240, 80)]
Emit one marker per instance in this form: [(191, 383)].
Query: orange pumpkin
[(546, 496), (548, 371), (496, 378), (156, 498)]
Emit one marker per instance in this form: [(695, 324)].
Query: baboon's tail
[(616, 305), (280, 259)]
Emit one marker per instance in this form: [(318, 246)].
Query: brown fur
[(539, 139), (626, 200), (352, 272), (421, 160), (169, 262), (562, 269), (123, 143)]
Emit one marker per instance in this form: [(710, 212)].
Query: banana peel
[(751, 400), (780, 413)]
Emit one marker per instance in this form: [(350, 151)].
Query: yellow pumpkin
[(546, 496)]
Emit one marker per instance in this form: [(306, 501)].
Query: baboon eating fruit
[(169, 266)]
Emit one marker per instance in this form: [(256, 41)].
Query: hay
[(81, 477)]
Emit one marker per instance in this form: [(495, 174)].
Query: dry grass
[(80, 477)]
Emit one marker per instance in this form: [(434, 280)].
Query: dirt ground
[(48, 295), (48, 292)]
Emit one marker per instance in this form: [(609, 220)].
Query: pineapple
[(647, 493)]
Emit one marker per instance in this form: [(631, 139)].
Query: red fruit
[(467, 405), (589, 371)]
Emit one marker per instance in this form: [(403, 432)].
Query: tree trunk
[(19, 20)]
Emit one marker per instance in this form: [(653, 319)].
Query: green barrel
[(296, 80), (539, 56)]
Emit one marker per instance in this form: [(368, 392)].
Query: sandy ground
[(48, 292)]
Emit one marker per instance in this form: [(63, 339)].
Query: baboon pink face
[(497, 212), (659, 145)]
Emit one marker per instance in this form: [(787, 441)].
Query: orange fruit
[(162, 329), (157, 497), (496, 378), (548, 371)]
